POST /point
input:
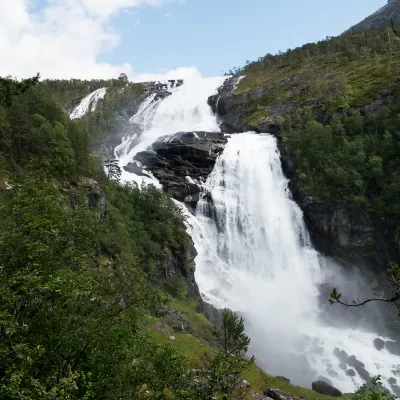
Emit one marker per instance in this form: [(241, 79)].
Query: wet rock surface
[(183, 161)]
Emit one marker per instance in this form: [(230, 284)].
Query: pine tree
[(113, 170)]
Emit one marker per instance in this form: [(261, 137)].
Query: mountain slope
[(389, 12), (334, 106)]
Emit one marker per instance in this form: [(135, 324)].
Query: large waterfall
[(255, 257), (254, 253)]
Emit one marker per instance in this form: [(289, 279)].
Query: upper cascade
[(88, 103)]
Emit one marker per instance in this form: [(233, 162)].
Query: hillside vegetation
[(337, 106), (104, 122), (88, 271)]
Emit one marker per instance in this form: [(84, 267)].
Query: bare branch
[(392, 300)]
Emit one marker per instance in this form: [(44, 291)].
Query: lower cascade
[(255, 257), (254, 253)]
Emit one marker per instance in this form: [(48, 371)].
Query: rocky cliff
[(182, 162), (339, 229)]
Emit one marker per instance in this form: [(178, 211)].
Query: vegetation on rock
[(82, 260)]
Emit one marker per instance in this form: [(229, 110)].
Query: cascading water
[(185, 109), (255, 257), (254, 254)]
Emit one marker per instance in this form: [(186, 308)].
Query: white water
[(255, 257), (88, 103), (185, 110)]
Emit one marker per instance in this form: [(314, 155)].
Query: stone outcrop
[(182, 162), (325, 388), (276, 394)]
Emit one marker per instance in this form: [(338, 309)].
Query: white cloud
[(64, 39)]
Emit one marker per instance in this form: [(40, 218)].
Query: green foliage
[(104, 121), (10, 88), (376, 392), (36, 134), (113, 170), (228, 363), (349, 157)]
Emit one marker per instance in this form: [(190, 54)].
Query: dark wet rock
[(226, 128), (364, 374), (276, 394), (133, 168), (393, 347), (351, 372), (392, 381), (325, 388), (343, 366), (379, 344), (355, 363), (182, 160), (341, 355), (325, 379)]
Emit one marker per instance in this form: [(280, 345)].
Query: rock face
[(276, 394), (181, 162), (326, 389), (226, 105), (343, 231), (389, 12)]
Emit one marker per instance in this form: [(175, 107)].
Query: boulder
[(276, 394), (379, 344), (393, 347), (351, 372), (325, 388), (343, 366)]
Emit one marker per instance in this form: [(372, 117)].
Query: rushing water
[(254, 253), (255, 257), (185, 110)]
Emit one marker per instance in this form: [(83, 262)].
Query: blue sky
[(216, 35), (176, 38)]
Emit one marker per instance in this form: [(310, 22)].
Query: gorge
[(254, 251)]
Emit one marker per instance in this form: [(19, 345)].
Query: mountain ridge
[(383, 16)]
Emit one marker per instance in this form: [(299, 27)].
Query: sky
[(160, 39)]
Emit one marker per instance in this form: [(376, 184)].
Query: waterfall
[(184, 110), (254, 253), (256, 258)]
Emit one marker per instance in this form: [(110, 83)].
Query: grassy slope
[(334, 83), (198, 346)]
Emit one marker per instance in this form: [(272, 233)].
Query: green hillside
[(337, 105)]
